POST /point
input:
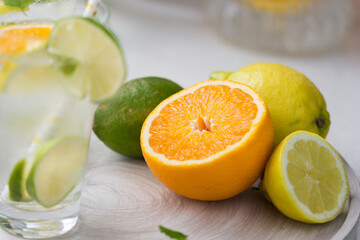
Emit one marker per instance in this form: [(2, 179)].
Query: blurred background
[(186, 40)]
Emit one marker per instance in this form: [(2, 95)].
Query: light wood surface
[(123, 200)]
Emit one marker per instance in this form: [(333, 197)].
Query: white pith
[(209, 123)]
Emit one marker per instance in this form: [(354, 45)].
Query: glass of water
[(44, 127)]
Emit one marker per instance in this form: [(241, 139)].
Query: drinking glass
[(44, 133), (37, 9)]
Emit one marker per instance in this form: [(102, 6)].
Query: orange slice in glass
[(18, 39), (22, 38), (210, 141)]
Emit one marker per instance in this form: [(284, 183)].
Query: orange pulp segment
[(202, 123)]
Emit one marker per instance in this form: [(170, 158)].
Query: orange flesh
[(203, 123), (17, 40)]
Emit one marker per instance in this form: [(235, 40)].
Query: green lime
[(17, 180), (57, 168), (89, 57), (118, 121)]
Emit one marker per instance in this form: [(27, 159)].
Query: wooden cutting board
[(123, 200)]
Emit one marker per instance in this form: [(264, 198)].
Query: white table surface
[(171, 39)]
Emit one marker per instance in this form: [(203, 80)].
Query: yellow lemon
[(294, 102)]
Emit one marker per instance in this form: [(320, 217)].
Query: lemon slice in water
[(306, 179)]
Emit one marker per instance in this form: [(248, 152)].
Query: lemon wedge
[(306, 179)]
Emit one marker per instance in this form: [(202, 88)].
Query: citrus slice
[(11, 6), (23, 38), (31, 72), (90, 58), (19, 39), (6, 68), (17, 180), (210, 141), (57, 168), (6, 9), (306, 179)]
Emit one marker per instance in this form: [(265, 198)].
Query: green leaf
[(172, 234), (22, 4)]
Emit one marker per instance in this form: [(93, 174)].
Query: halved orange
[(210, 141), (20, 38)]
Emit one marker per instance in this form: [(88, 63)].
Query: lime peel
[(17, 188)]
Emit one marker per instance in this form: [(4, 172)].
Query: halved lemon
[(306, 179)]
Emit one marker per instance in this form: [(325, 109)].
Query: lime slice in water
[(17, 180), (57, 168), (90, 58), (30, 73)]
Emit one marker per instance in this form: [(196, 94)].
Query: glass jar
[(291, 26)]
